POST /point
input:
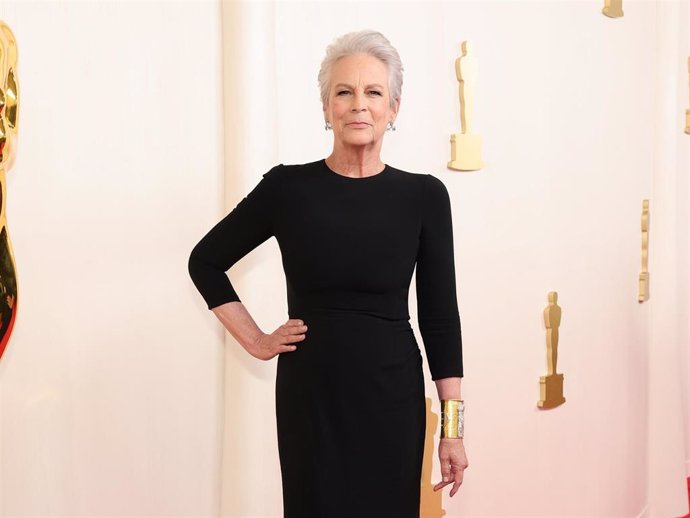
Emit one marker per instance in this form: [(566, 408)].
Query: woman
[(350, 401)]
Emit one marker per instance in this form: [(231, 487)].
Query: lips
[(358, 124)]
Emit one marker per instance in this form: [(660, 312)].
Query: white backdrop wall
[(575, 124), (683, 230), (111, 386), (668, 344)]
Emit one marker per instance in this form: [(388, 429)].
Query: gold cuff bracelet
[(452, 418)]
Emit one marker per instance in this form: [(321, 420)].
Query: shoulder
[(428, 184), (415, 180), (435, 187), (422, 179), (405, 174), (281, 170), (274, 178), (274, 173), (435, 194), (431, 189)]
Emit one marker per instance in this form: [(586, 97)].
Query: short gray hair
[(368, 42)]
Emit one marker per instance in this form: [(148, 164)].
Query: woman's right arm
[(248, 225), (240, 324)]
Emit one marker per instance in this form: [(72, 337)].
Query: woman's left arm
[(439, 320)]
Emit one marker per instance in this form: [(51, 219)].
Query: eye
[(342, 92), (375, 92)]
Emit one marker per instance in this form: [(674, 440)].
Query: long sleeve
[(437, 305), (248, 225)]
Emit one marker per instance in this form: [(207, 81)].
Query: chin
[(363, 140)]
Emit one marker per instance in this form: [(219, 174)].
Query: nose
[(358, 103)]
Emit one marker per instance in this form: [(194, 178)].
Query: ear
[(396, 106)]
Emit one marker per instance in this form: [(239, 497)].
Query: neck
[(356, 160)]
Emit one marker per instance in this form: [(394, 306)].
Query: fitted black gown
[(350, 401)]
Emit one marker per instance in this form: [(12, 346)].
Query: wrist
[(449, 388), (253, 342)]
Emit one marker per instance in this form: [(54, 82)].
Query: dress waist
[(350, 305)]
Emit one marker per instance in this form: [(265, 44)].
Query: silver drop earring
[(328, 126), (391, 126)]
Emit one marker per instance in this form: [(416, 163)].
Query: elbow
[(194, 262)]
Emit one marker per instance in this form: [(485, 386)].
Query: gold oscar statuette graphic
[(687, 112), (9, 111), (644, 274), (466, 147), (613, 8), (551, 385)]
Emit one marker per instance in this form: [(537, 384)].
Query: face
[(358, 103)]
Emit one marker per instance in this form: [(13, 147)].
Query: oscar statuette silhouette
[(466, 147), (9, 111), (643, 294), (551, 385), (613, 8)]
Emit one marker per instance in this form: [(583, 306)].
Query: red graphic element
[(8, 332)]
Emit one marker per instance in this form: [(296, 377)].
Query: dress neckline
[(331, 172)]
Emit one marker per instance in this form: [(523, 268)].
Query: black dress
[(350, 401)]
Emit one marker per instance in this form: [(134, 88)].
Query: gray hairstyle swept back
[(369, 42)]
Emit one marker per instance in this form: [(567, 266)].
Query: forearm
[(448, 388), (239, 323)]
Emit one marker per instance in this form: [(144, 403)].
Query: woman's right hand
[(279, 341)]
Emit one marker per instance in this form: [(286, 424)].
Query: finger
[(286, 329), (295, 322), (458, 482), (288, 339), (454, 489), (446, 471), (287, 348), (459, 475), (440, 485)]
